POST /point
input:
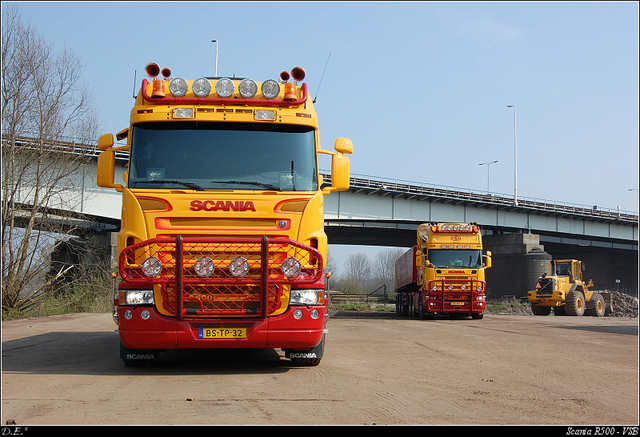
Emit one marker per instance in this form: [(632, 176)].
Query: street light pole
[(637, 195), (515, 155), (488, 164), (216, 41)]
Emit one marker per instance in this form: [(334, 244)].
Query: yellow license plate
[(222, 333), (457, 303)]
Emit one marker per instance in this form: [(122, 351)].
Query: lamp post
[(515, 155), (636, 190), (488, 164), (216, 41)]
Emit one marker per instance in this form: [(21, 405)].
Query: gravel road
[(378, 369)]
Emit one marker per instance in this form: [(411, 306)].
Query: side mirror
[(343, 145), (339, 172), (106, 169), (339, 166), (487, 260), (105, 141)]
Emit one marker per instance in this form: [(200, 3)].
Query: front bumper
[(161, 332)]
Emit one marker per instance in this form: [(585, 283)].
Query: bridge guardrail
[(89, 148), (424, 189)]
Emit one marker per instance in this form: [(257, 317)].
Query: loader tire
[(598, 309), (574, 303), (539, 310)]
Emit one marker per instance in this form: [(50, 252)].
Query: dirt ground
[(377, 369)]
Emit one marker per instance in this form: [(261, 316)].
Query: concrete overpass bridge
[(522, 233)]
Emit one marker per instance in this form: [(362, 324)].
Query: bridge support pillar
[(518, 260), (88, 252)]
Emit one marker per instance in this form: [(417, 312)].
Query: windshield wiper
[(186, 184), (260, 184)]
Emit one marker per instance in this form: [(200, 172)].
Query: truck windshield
[(225, 156), (463, 258)]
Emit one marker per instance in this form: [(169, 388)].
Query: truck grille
[(208, 277)]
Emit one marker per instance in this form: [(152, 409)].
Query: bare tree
[(331, 265), (43, 103), (385, 264), (358, 269)]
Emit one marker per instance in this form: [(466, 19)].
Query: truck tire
[(574, 303), (422, 314), (598, 309), (539, 310), (307, 358), (404, 306), (135, 358)]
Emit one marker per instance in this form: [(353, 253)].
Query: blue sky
[(420, 88)]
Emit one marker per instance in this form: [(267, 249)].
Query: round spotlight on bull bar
[(204, 267), (224, 87), (201, 87), (239, 266), (178, 87), (270, 89), (152, 267), (247, 88), (291, 267)]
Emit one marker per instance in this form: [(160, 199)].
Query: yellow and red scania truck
[(222, 241), (444, 273)]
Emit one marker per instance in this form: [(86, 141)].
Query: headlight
[(291, 267), (247, 88), (304, 297), (138, 297), (270, 89), (239, 266), (224, 87), (178, 87), (152, 267), (265, 114), (204, 266), (201, 87)]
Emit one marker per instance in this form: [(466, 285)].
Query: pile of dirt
[(624, 305)]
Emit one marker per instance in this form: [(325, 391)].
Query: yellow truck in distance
[(222, 241), (444, 273)]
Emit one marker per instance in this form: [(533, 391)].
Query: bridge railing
[(409, 188), (89, 148)]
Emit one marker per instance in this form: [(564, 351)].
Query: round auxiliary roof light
[(224, 87), (152, 69), (270, 89), (178, 87), (201, 87), (152, 267), (204, 267), (291, 267), (247, 88), (239, 267)]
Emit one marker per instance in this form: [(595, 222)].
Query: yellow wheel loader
[(566, 292)]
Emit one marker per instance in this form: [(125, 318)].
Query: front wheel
[(539, 310), (137, 358), (574, 303), (308, 358)]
